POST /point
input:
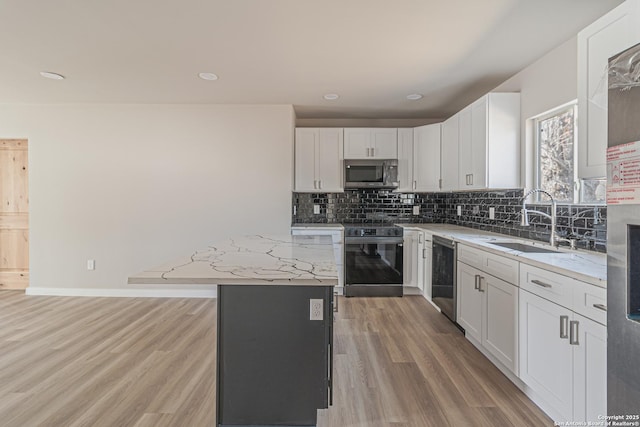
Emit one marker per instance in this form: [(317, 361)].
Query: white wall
[(133, 186), (547, 83)]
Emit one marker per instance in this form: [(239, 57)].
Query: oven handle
[(365, 240)]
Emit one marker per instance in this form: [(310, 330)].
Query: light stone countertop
[(587, 266), (252, 260)]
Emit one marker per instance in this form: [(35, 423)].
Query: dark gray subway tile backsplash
[(587, 223)]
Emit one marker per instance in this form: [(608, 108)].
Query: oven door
[(373, 266)]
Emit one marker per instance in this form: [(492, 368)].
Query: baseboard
[(146, 292)]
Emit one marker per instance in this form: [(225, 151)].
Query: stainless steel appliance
[(443, 276), (373, 261), (371, 173), (623, 235)]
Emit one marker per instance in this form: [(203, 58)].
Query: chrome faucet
[(554, 238)]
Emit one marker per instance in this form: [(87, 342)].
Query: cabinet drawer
[(470, 256), (501, 267), (590, 301), (551, 286)]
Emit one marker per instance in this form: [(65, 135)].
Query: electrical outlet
[(316, 209), (492, 213), (416, 210), (315, 309), (459, 210), (476, 210), (91, 264)]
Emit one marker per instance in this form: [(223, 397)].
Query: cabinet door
[(469, 303), (546, 359), (427, 263), (500, 326), (357, 143), (609, 35), (405, 159), (426, 157), (412, 257), (449, 154), (479, 143), (330, 167), (384, 143), (589, 370), (465, 159), (305, 160)]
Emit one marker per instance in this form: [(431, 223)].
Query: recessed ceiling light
[(331, 96), (54, 76), (208, 76), (414, 96)]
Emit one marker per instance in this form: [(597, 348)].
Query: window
[(556, 159)]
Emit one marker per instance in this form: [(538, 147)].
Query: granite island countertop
[(251, 260), (587, 266)]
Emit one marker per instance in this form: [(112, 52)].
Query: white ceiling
[(371, 52)]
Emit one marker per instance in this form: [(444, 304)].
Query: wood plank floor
[(151, 362)]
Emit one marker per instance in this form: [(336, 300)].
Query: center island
[(274, 327)]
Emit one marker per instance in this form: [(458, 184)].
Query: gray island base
[(274, 328)]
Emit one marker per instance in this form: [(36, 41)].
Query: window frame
[(577, 193)]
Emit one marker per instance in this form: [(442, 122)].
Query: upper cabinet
[(449, 154), (318, 160), (419, 158), (489, 143), (370, 143), (609, 35), (426, 157)]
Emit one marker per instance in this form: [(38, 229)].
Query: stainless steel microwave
[(371, 173)]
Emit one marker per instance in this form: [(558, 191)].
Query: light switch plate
[(416, 210), (315, 309), (459, 210), (91, 264), (316, 209), (492, 213)]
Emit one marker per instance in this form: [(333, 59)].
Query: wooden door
[(14, 214)]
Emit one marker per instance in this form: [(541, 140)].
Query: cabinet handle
[(471, 179), (319, 183), (419, 238), (573, 339), (475, 284), (414, 184), (335, 302), (539, 283), (440, 184), (563, 327), (480, 284), (373, 151), (424, 253), (600, 307), (315, 184)]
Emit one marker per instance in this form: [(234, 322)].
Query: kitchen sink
[(523, 247)]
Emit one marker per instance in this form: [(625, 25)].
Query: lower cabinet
[(412, 260), (487, 310), (563, 359)]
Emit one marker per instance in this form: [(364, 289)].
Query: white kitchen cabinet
[(489, 143), (337, 237), (426, 157), (469, 301), (412, 259), (488, 311), (546, 357), (427, 263), (419, 158), (318, 160), (370, 143), (616, 31), (562, 353), (449, 154), (589, 370), (405, 160)]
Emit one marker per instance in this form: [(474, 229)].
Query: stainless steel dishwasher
[(443, 283)]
